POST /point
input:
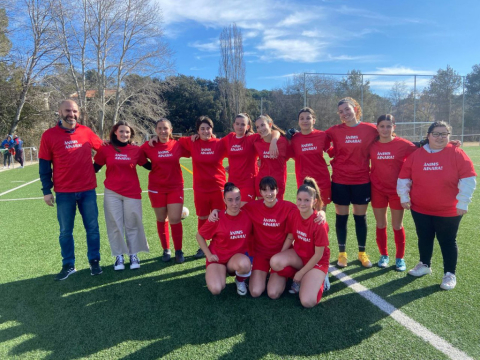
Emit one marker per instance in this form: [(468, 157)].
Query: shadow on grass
[(148, 314)]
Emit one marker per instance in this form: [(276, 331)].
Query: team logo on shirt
[(236, 148), (270, 222), (432, 166), (352, 139), (164, 154), (266, 154), (123, 157), (71, 144), (237, 234), (302, 236), (206, 151), (308, 147), (385, 155)]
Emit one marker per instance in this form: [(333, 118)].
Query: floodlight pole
[(304, 90), (463, 107), (414, 106), (361, 119)]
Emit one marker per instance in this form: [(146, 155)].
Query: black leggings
[(445, 228)]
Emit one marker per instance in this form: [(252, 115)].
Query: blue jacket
[(7, 144), (18, 144)]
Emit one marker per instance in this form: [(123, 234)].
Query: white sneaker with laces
[(420, 269), (449, 281), (241, 287), (119, 263), (134, 262)]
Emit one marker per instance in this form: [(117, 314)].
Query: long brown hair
[(354, 103), (386, 117), (244, 115), (269, 120), (113, 136), (170, 136), (310, 186)]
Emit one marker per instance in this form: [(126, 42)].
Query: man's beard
[(69, 120)]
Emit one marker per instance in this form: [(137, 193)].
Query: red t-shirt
[(230, 234), (269, 225), (71, 156), (276, 168), (308, 153), (307, 235), (242, 159), (121, 176), (386, 161), (435, 179), (166, 174), (207, 162), (351, 146)]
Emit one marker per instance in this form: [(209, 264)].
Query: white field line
[(41, 198), (18, 187), (421, 331)]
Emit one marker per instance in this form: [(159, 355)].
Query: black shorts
[(351, 194)]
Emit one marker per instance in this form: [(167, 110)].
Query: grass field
[(165, 310)]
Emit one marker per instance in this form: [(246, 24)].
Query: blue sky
[(282, 38)]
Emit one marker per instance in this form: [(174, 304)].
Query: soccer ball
[(185, 212)]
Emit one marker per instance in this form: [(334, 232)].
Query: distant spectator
[(8, 145), (18, 144)]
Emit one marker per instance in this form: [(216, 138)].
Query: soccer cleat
[(134, 262), (119, 263), (66, 271), (342, 259), (363, 257), (179, 258), (295, 288), (449, 281), (400, 265), (95, 268), (326, 283), (420, 269), (383, 262), (241, 287), (167, 255), (200, 254)]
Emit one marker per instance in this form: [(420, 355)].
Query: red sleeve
[(326, 146), (186, 142), (290, 225), (208, 230), (101, 156), (185, 153), (321, 235), (142, 159), (290, 152), (95, 140), (406, 171), (222, 148), (45, 152), (464, 165)]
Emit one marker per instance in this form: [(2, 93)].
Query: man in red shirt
[(68, 147)]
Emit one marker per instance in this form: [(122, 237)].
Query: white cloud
[(299, 18), (207, 47), (292, 50), (278, 76), (401, 70)]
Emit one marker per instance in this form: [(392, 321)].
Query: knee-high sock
[(162, 228), (399, 242), (361, 230), (382, 241), (177, 235), (341, 229)]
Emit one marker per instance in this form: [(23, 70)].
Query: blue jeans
[(66, 209)]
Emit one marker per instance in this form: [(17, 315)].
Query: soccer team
[(285, 241)]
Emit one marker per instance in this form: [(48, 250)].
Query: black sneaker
[(95, 268), (179, 259), (200, 254), (167, 255), (66, 271)]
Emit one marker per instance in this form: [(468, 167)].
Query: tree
[(5, 44), (232, 72), (472, 96), (442, 89)]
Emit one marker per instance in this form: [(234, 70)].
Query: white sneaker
[(449, 281), (134, 262), (241, 287), (420, 270), (119, 263)]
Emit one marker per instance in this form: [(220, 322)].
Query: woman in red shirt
[(387, 156), (350, 175), (165, 187), (242, 157), (310, 254), (269, 166), (208, 171), (436, 183), (308, 146), (226, 252), (123, 200)]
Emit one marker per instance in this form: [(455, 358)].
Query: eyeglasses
[(442, 135)]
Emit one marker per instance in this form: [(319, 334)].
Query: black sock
[(361, 230), (341, 229)]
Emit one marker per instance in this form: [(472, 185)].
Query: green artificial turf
[(165, 310)]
